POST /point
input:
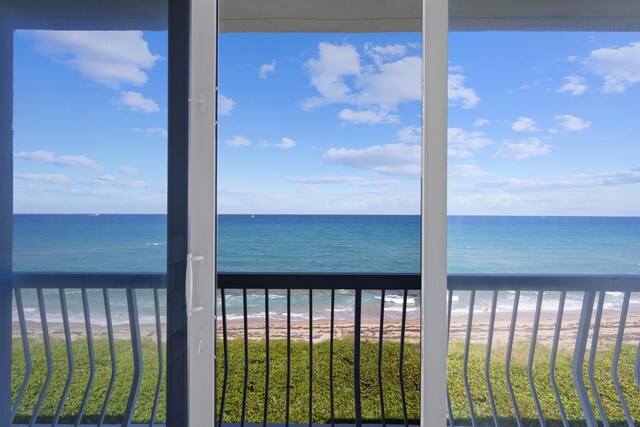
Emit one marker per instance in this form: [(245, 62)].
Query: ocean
[(328, 243)]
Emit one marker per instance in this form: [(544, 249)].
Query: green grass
[(343, 383)]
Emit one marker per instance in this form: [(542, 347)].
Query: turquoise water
[(331, 243)]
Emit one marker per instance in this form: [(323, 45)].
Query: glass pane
[(90, 213), (319, 173), (544, 205)]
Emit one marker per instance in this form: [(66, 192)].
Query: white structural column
[(434, 213), (201, 262)]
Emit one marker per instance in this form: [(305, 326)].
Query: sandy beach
[(370, 330)]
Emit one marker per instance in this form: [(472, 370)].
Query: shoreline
[(370, 330)]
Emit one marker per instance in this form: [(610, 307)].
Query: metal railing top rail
[(53, 280), (389, 281), (398, 281)]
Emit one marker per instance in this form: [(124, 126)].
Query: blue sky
[(539, 123)]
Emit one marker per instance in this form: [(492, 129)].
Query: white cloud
[(458, 93), (225, 105), (391, 83), (306, 189), (44, 177), (110, 58), (266, 69), (571, 123), (370, 117), (524, 124), (46, 157), (572, 58), (463, 144), (152, 131), (530, 147), (618, 66), (238, 141), (285, 143), (574, 85), (328, 73), (465, 170), (411, 133), (380, 53), (340, 75), (480, 122), (137, 102), (389, 159), (128, 170), (345, 180)]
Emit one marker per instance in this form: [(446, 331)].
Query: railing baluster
[(310, 357), (636, 369), (465, 362), (578, 359), (287, 409), (507, 362), (331, 397), (449, 407), (156, 303), (616, 357), (532, 354), (267, 360), (382, 417), (487, 359), (246, 358), (70, 364), (401, 360), (554, 354), (26, 350), (225, 344), (112, 353), (592, 359), (47, 350), (356, 358), (136, 348), (92, 360)]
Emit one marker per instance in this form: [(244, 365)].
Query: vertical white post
[(202, 213), (435, 14)]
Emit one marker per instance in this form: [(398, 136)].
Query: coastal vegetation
[(343, 378)]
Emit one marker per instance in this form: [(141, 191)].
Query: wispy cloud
[(285, 143), (524, 124), (266, 69), (110, 58), (571, 123), (389, 159), (463, 144), (458, 92), (344, 180), (225, 105), (370, 117), (152, 131), (136, 101), (44, 177), (530, 147), (46, 157), (465, 170), (574, 85), (238, 141), (480, 122), (128, 170), (411, 133)]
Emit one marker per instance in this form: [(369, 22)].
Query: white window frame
[(201, 261), (202, 213)]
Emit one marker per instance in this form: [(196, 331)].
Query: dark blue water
[(340, 243), (326, 243)]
